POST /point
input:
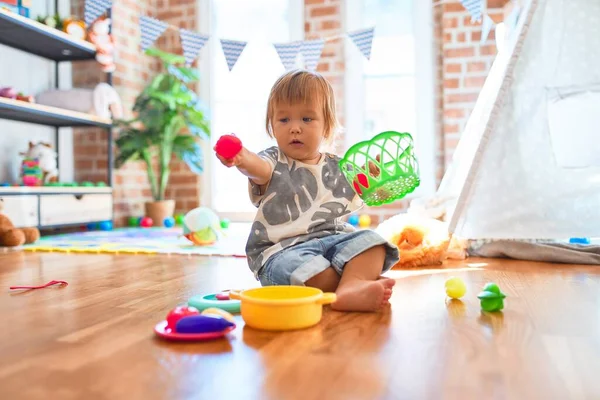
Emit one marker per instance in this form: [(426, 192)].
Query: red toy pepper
[(228, 146)]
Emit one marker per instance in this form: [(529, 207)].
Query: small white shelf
[(22, 111), (29, 35), (33, 190)]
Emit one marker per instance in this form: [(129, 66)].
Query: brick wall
[(324, 18), (134, 70), (462, 65), (465, 64)]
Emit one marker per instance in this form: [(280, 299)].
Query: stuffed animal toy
[(102, 101), (46, 156), (420, 241), (100, 36), (11, 236)]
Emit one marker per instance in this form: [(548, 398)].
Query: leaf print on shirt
[(292, 192), (333, 210), (258, 242), (334, 180)]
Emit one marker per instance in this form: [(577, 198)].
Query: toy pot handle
[(235, 294), (327, 298)]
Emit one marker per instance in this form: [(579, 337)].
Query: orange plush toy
[(105, 50), (420, 241), (11, 236)]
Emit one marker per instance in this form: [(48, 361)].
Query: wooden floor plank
[(93, 339)]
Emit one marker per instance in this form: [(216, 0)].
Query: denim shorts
[(297, 264)]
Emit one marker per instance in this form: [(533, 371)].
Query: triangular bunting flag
[(151, 29), (311, 50), (232, 50), (192, 43), (486, 28), (474, 7), (363, 39), (287, 53), (94, 9)]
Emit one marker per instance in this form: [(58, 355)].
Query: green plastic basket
[(396, 171)]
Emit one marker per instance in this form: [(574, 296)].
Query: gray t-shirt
[(300, 203)]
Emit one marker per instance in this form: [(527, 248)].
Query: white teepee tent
[(528, 163)]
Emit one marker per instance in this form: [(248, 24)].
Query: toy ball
[(91, 226), (201, 226), (228, 146), (491, 298), (202, 324), (179, 219), (364, 221), (353, 220), (169, 222), (360, 180), (225, 223), (455, 287), (146, 222), (105, 225), (179, 312), (133, 221), (219, 313)]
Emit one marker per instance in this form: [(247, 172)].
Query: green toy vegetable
[(491, 298)]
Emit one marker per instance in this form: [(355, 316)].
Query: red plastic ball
[(228, 146), (363, 180), (146, 222), (178, 313)]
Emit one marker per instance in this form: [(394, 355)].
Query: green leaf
[(184, 74), (167, 58)]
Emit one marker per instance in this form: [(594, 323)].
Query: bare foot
[(360, 295)]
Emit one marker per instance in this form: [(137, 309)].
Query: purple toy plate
[(161, 330)]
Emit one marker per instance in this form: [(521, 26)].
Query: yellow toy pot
[(282, 308)]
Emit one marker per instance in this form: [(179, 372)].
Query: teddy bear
[(11, 236), (420, 241), (100, 36)]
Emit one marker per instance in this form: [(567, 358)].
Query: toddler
[(298, 236)]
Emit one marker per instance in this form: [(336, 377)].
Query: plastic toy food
[(361, 180), (202, 324), (491, 298), (455, 288), (178, 313), (228, 146)]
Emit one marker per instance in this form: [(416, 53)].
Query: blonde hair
[(300, 86)]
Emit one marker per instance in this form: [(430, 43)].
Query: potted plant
[(168, 121)]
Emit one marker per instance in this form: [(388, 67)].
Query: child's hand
[(230, 162)]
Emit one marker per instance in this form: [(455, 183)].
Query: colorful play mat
[(143, 241)]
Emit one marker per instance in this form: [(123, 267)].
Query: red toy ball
[(178, 313), (228, 146), (362, 179), (146, 222)]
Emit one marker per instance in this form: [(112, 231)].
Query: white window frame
[(425, 139), (205, 67)]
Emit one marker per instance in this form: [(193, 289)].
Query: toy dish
[(202, 302), (164, 332)]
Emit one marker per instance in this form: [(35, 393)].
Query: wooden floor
[(93, 339)]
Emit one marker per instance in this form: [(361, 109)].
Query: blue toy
[(169, 222), (202, 324), (579, 241), (91, 226), (353, 220), (105, 225)]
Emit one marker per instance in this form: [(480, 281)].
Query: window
[(238, 98), (394, 89)]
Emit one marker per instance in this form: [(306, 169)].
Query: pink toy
[(222, 296), (51, 283), (187, 324), (228, 146), (178, 313), (363, 181), (146, 222)]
